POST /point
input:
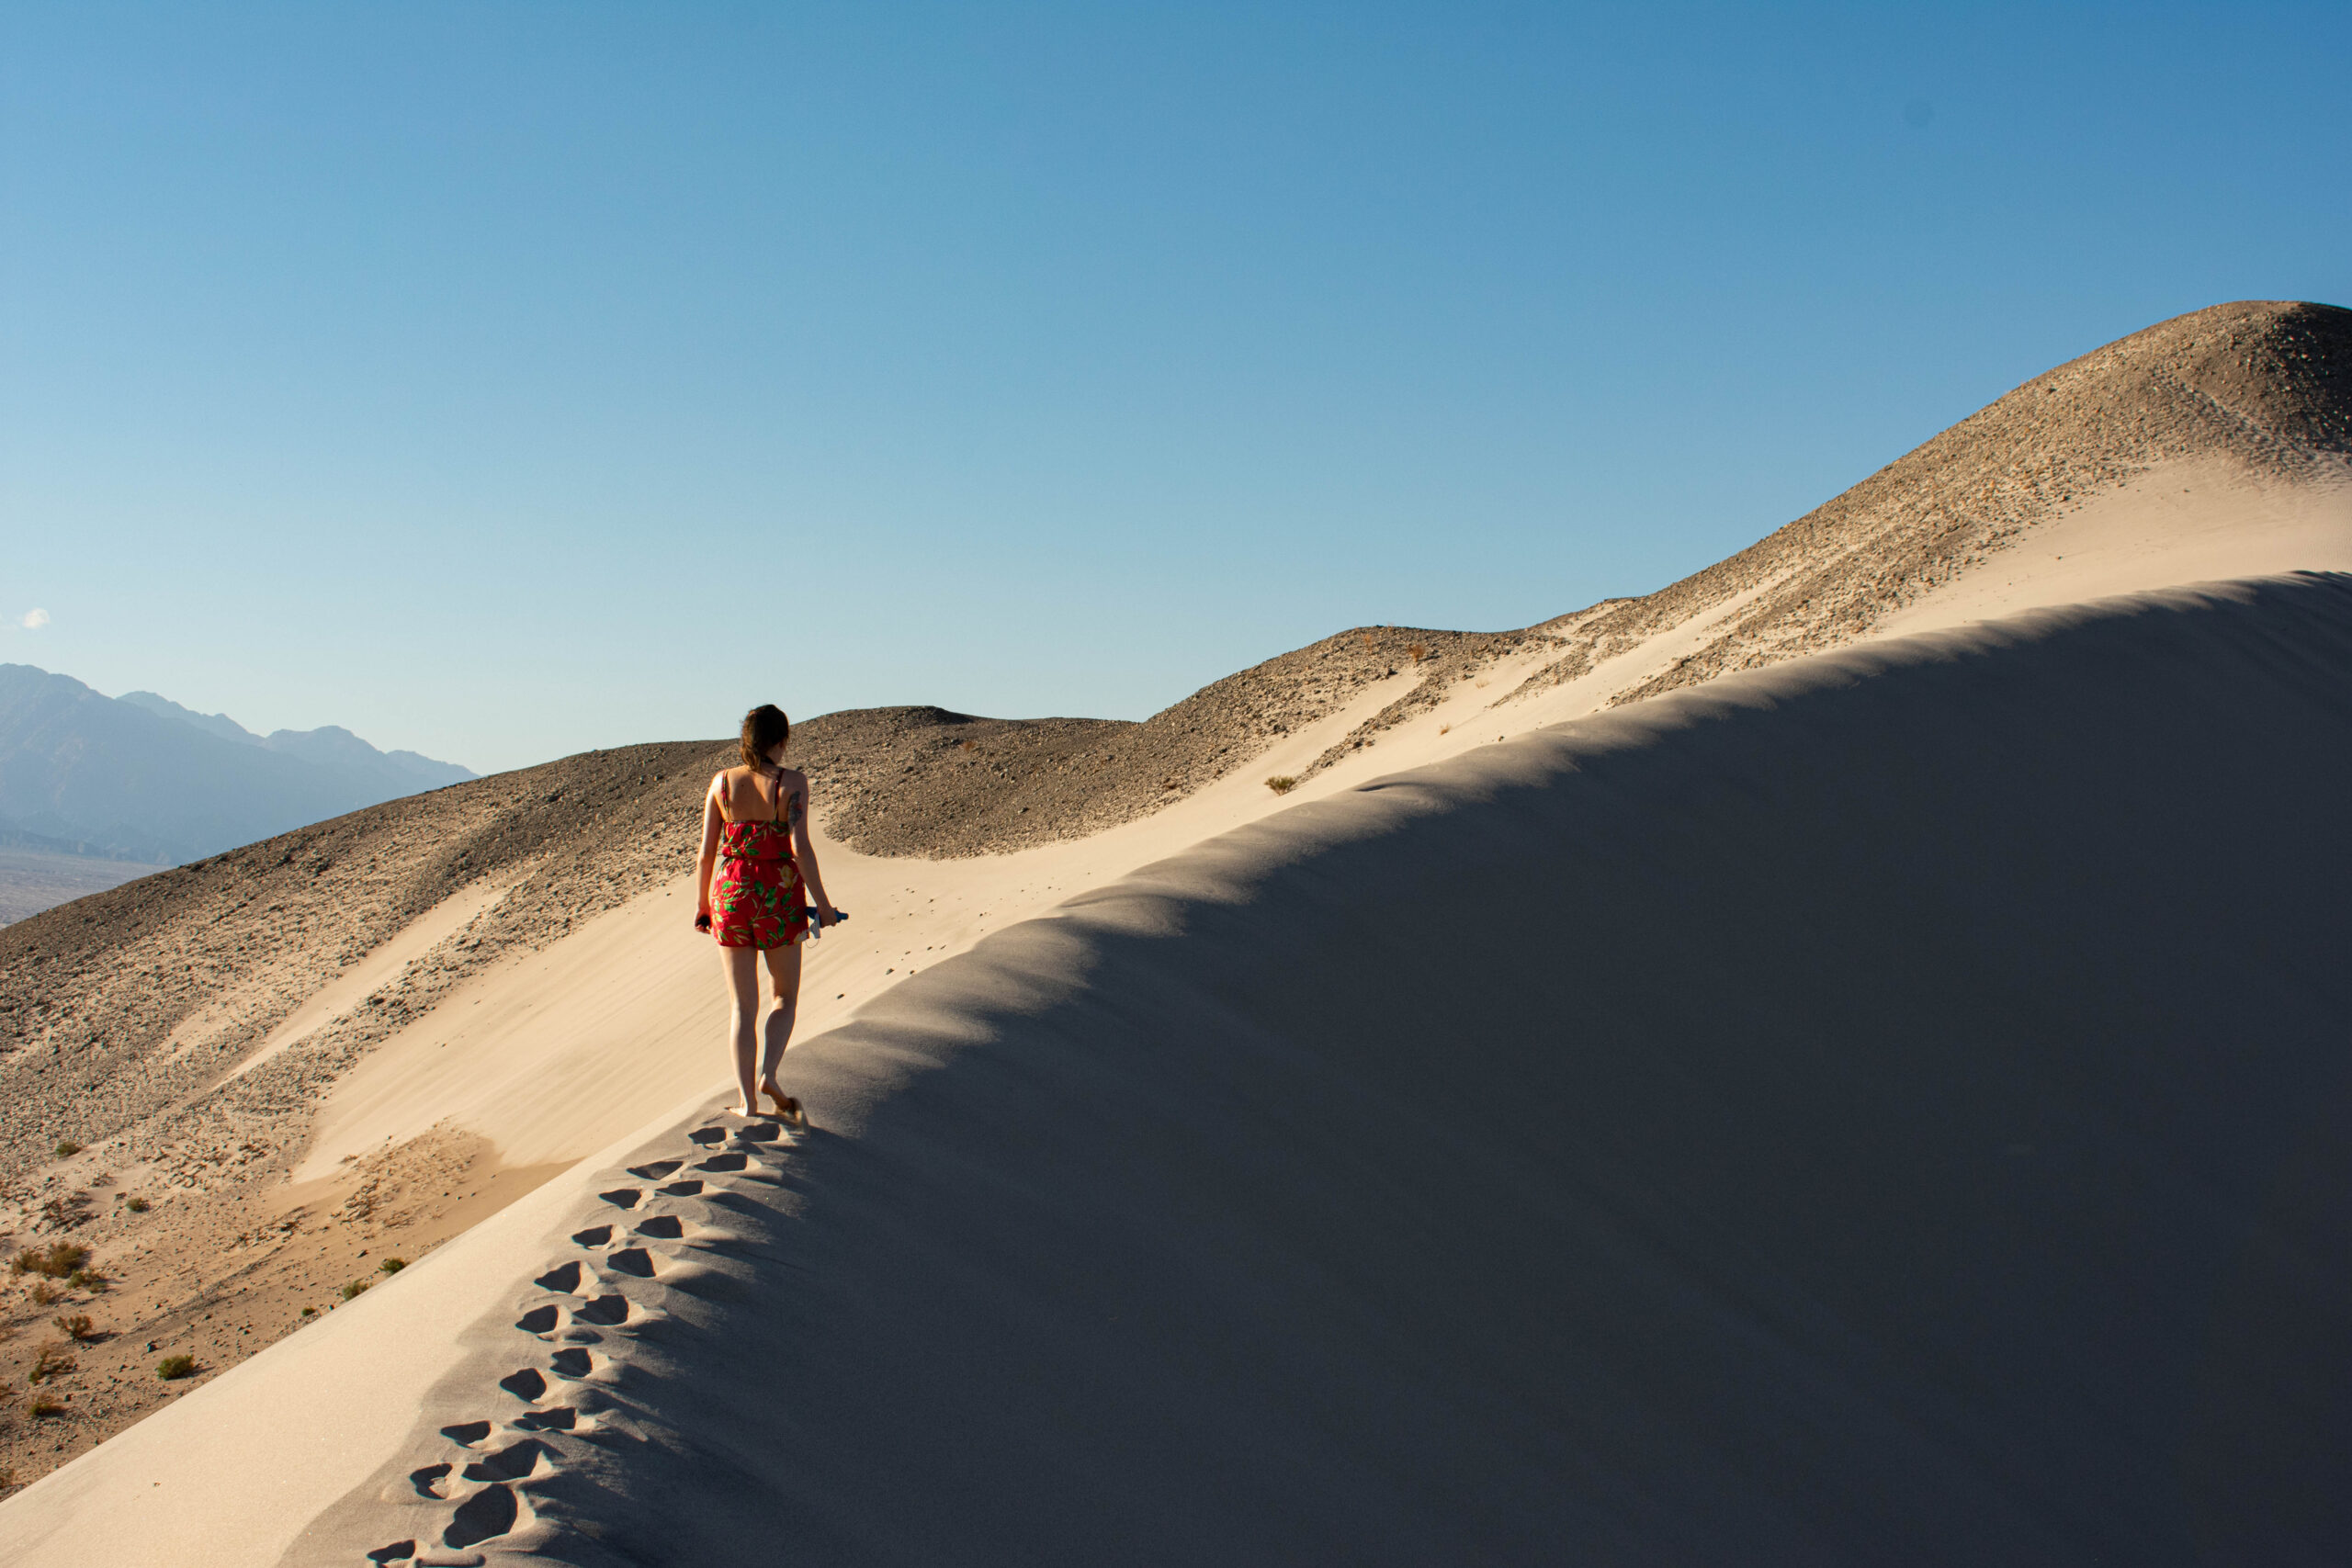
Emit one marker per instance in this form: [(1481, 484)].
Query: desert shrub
[(351, 1290), (67, 1147), (76, 1327), (88, 1280), (57, 1260), (171, 1369), (44, 1406), (53, 1359), (43, 1292), (1282, 783), (310, 1312), (1418, 650), (137, 1205), (392, 1265)]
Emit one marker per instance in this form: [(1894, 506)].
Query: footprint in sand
[(563, 1279), (573, 1362), (525, 1386), (512, 1462), (495, 1508), (489, 1512)]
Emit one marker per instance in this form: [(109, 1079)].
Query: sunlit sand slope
[(1887, 1108)]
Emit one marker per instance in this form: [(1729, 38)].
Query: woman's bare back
[(746, 798)]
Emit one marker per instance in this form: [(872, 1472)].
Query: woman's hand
[(702, 919), (822, 914)]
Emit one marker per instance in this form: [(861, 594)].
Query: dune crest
[(496, 982)]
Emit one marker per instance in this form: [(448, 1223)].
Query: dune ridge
[(1641, 1139), (302, 1005)]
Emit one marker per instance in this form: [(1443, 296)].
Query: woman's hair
[(765, 727)]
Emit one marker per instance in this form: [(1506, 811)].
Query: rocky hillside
[(2266, 383), (120, 1011)]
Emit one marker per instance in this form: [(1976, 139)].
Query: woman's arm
[(804, 849), (711, 823)]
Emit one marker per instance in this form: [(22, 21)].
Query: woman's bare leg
[(742, 966), (783, 968)]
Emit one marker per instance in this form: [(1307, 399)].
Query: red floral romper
[(756, 897)]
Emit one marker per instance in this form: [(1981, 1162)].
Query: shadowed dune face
[(207, 959), (1889, 1109), (1668, 985)]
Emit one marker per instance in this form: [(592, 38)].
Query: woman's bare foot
[(786, 1106)]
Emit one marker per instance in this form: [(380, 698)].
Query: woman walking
[(750, 887)]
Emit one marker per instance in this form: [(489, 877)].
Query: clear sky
[(504, 379)]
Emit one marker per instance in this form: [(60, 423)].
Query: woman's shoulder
[(793, 778)]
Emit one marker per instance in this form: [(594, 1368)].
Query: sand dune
[(1776, 1120), (1798, 1119)]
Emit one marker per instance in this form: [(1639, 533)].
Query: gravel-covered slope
[(923, 780), (2268, 383), (208, 957)]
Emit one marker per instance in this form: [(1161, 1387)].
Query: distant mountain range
[(141, 778)]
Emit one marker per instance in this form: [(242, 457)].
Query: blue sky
[(505, 379)]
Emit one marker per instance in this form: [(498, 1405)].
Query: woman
[(749, 895)]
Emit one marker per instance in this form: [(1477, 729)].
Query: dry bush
[(58, 1260), (88, 1280), (137, 1205), (76, 1327), (351, 1290), (392, 1265), (1282, 783), (1418, 650), (67, 1148), (43, 1406), (53, 1359), (171, 1369)]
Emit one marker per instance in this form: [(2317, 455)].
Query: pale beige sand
[(594, 1040), (1803, 1119), (2191, 521), (558, 1054)]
